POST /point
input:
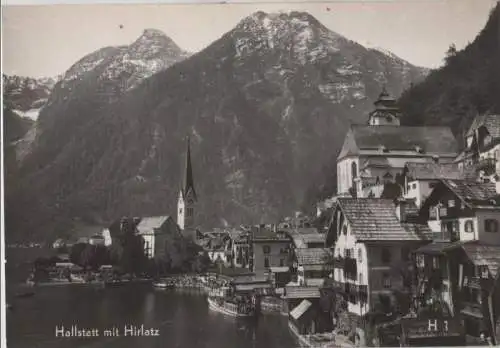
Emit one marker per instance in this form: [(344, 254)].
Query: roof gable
[(491, 123), (149, 224)]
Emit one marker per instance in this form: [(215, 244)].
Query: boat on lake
[(231, 308), (164, 285)]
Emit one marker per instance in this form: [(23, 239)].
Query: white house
[(154, 231), (372, 240)]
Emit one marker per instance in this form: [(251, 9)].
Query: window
[(360, 278), (405, 254), (386, 255), (282, 262), (432, 212), (266, 249), (435, 262), (344, 230), (386, 281), (491, 225), (180, 210), (414, 186), (451, 203), (360, 255), (347, 252), (266, 262), (469, 226)]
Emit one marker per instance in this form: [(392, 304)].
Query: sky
[(45, 40)]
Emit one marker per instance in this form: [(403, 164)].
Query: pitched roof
[(433, 171), (302, 292), (435, 248), (265, 234), (188, 181), (490, 122), (474, 193), (375, 219), (484, 255), (312, 256), (148, 224), (298, 311), (430, 140), (313, 238)]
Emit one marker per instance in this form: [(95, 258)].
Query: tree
[(451, 52), (76, 252), (87, 257)]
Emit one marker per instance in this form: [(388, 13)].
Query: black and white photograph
[(250, 174)]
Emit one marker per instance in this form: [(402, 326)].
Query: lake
[(182, 319)]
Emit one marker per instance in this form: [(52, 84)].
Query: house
[(372, 239), (240, 248), (482, 145), (376, 153), (459, 267), (97, 239), (421, 178), (305, 314), (313, 265), (463, 210), (106, 234), (305, 237), (154, 231), (269, 249), (219, 249)]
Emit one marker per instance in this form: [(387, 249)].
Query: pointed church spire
[(188, 182)]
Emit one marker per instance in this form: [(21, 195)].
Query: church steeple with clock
[(187, 196)]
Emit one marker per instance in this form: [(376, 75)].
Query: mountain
[(266, 106), (467, 85), (25, 95)]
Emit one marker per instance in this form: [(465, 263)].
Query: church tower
[(187, 196), (386, 111)]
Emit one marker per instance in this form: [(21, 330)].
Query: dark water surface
[(182, 318)]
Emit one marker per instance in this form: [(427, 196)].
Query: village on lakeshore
[(407, 253)]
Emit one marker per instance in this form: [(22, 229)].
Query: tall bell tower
[(187, 195)]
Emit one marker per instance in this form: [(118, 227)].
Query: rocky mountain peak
[(299, 33), (156, 40)]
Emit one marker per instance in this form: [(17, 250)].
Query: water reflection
[(183, 320)]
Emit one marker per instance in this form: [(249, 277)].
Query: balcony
[(477, 282), (339, 286)]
